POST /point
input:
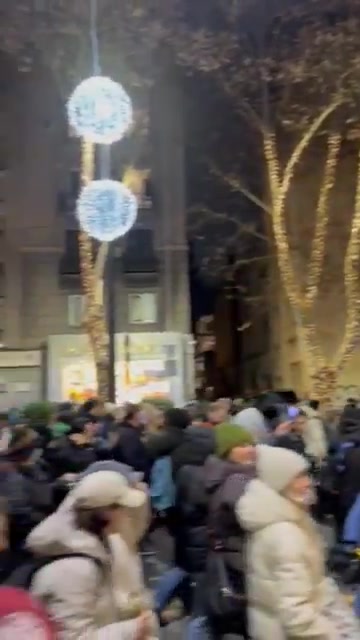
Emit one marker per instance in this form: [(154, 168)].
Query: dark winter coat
[(346, 462), (197, 445), (225, 483), (29, 494), (205, 502), (191, 530), (131, 450), (292, 441), (65, 455), (166, 442), (348, 484), (349, 424)]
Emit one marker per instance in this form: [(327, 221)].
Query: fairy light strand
[(322, 219), (351, 279), (280, 233), (85, 244), (95, 321), (322, 374)]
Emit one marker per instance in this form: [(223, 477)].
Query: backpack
[(23, 575), (20, 613), (162, 487)]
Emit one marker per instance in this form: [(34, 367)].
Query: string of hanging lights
[(322, 218), (106, 209), (100, 112)]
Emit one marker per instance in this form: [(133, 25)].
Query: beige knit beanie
[(277, 467)]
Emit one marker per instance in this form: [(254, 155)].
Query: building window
[(76, 308), (142, 308)]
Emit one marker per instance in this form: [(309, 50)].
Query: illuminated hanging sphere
[(106, 209), (100, 111)]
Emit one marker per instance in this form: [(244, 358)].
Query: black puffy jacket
[(197, 445), (205, 503), (225, 483), (29, 494), (130, 450), (191, 538), (64, 456)]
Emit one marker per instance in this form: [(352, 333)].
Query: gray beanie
[(277, 467), (111, 465)]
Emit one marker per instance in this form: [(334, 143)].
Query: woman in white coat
[(101, 595), (289, 596)]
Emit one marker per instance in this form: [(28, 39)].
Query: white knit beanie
[(277, 467)]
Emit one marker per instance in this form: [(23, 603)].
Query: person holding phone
[(289, 433)]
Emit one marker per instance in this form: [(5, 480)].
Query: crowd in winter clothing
[(240, 494)]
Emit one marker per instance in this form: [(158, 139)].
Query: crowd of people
[(239, 493)]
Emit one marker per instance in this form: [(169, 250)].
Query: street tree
[(290, 70), (291, 73)]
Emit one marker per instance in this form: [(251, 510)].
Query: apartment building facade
[(41, 297)]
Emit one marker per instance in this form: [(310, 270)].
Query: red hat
[(21, 616)]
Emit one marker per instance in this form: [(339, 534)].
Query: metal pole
[(110, 279), (111, 313)]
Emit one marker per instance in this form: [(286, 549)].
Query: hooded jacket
[(198, 443), (97, 599), (206, 498), (225, 483), (287, 587)]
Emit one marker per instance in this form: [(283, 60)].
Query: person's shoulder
[(283, 540)]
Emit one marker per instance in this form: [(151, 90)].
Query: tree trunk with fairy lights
[(323, 373), (94, 320)]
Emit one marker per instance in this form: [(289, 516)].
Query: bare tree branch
[(206, 215), (235, 184)]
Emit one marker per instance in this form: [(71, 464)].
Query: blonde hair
[(154, 417)]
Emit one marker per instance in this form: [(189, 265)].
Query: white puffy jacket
[(287, 588), (87, 601)]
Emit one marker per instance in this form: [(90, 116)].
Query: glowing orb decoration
[(99, 110), (106, 209)]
